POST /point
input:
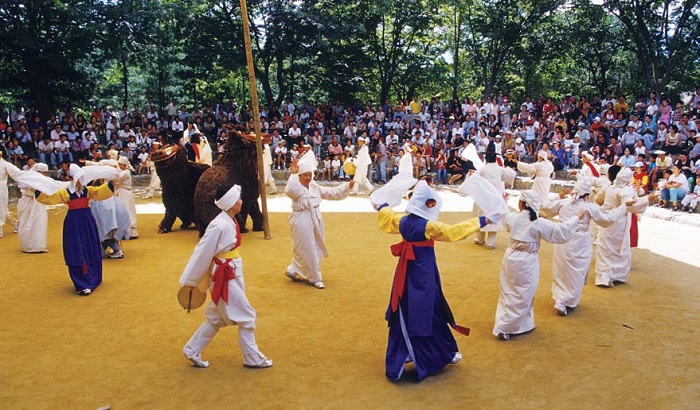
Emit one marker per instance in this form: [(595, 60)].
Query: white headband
[(229, 199)]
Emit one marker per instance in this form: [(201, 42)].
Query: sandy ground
[(633, 346)]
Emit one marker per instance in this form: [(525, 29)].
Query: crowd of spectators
[(613, 130)]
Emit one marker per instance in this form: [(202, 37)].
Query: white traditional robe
[(6, 170), (112, 219), (267, 169), (33, 223), (155, 180), (221, 236), (499, 177), (362, 163), (542, 171), (572, 260), (406, 163), (124, 193), (613, 255), (307, 225), (520, 269)]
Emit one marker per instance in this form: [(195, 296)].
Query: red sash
[(593, 170), (634, 232), (499, 161), (404, 251), (195, 148), (78, 203), (223, 273)]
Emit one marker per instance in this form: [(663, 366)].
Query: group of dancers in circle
[(598, 210)]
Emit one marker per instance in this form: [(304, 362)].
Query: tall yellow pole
[(256, 117)]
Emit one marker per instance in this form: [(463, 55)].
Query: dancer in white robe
[(217, 255), (155, 179), (362, 163), (123, 191), (113, 225), (306, 222), (499, 177), (571, 260), (7, 169), (31, 215), (520, 269), (542, 171), (613, 254), (267, 170)]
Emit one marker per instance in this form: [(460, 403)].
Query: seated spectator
[(62, 148), (280, 153), (143, 158), (627, 160), (674, 190), (640, 179)]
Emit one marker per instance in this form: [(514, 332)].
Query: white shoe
[(489, 247), (562, 312), (264, 365), (456, 358), (197, 361), (85, 292), (117, 255), (16, 226), (503, 336), (478, 242), (319, 285)]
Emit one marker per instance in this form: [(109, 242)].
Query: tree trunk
[(161, 86), (455, 63), (39, 91), (125, 79)]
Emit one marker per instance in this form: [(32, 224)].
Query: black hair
[(533, 214), (613, 171), (222, 190), (583, 196)]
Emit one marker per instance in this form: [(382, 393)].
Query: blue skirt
[(81, 249)]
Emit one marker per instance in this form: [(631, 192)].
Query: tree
[(664, 33), (394, 30), (497, 28), (48, 39)]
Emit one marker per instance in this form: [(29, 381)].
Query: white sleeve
[(526, 168), (294, 188), (200, 261), (552, 208), (557, 232), (335, 193)]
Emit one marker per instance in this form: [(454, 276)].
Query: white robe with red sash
[(229, 305)]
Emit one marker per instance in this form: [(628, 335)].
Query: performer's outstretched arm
[(443, 232)]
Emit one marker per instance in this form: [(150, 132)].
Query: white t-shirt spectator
[(62, 146), (294, 132), (45, 146), (681, 179)]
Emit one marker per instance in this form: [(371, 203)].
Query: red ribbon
[(634, 232), (593, 170), (223, 273), (404, 251)]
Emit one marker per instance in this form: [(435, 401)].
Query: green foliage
[(94, 52)]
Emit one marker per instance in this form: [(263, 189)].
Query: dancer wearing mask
[(306, 222)]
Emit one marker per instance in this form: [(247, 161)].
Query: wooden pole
[(256, 117)]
